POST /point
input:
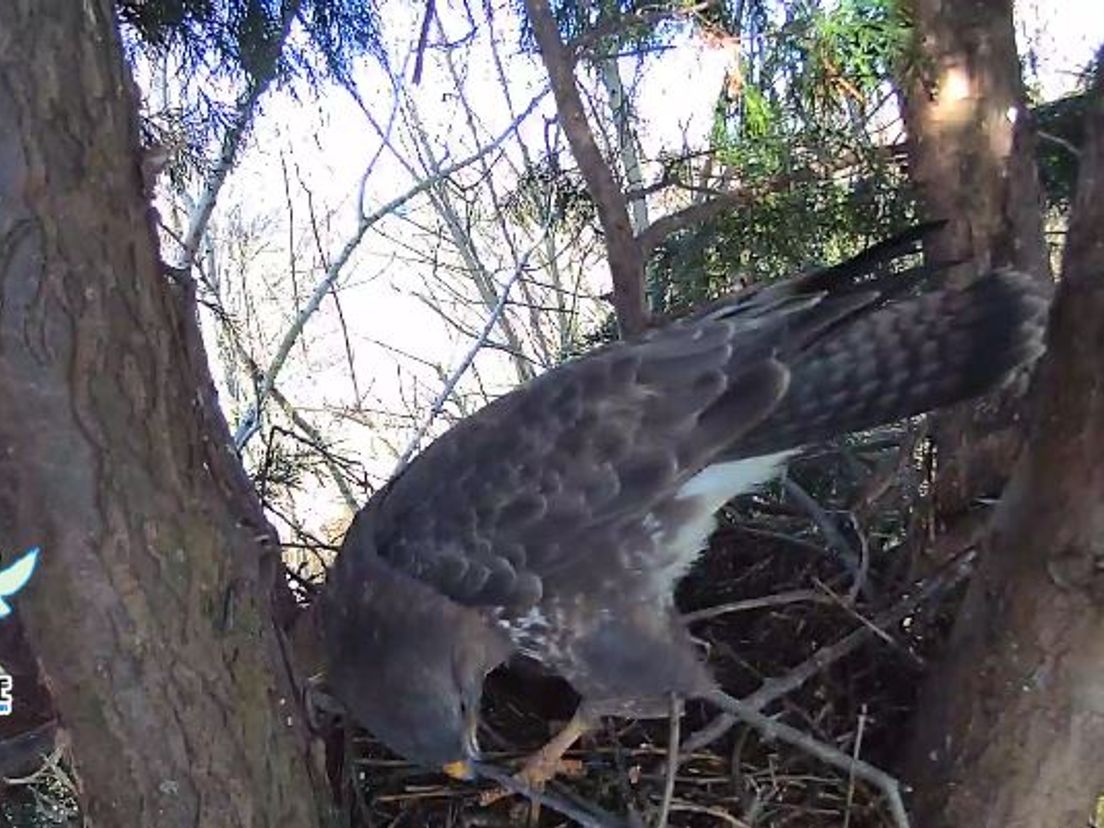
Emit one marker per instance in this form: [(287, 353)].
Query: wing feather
[(573, 477)]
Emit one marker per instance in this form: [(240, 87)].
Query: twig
[(423, 36), (248, 425), (792, 596), (673, 738), (1059, 141), (774, 729), (851, 776), (469, 357), (859, 584), (549, 800), (826, 525), (717, 813), (773, 689)]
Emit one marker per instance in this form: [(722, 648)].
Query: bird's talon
[(541, 769), (537, 772), (492, 796)]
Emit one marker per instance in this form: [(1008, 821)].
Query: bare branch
[(423, 35), (555, 803), (469, 357), (774, 729), (672, 761), (248, 424), (774, 689), (779, 599), (201, 212), (655, 233), (615, 24)]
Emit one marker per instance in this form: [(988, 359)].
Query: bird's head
[(415, 703), (408, 665)]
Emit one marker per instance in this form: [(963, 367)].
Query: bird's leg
[(547, 762)]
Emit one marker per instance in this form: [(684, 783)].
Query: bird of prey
[(556, 521)]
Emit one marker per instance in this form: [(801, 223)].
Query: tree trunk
[(150, 610), (1011, 730), (972, 160)]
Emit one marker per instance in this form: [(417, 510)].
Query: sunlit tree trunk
[(972, 161), (1010, 728), (151, 608)]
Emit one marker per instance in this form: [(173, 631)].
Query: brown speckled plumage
[(557, 520)]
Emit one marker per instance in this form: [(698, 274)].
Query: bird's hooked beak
[(464, 769)]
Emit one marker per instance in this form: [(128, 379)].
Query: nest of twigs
[(819, 601)]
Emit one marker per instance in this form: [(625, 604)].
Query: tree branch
[(200, 215), (469, 357), (662, 227), (248, 425), (626, 261)]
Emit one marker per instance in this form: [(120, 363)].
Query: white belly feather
[(708, 491)]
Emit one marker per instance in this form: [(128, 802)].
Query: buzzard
[(556, 521)]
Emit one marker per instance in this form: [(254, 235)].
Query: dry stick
[(773, 689), (672, 762), (851, 776), (864, 560), (717, 813), (774, 729), (826, 525), (548, 800), (792, 596)]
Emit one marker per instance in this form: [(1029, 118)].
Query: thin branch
[(773, 689), (656, 232), (549, 800), (615, 24), (827, 526), (465, 244), (774, 729), (200, 215), (423, 36), (778, 599), (851, 776), (1059, 141), (673, 738), (248, 424), (469, 357)]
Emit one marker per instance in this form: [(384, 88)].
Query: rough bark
[(1011, 729), (971, 158), (151, 608)]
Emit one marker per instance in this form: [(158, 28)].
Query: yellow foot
[(538, 770), (541, 768)]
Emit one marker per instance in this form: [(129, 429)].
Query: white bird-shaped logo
[(15, 577)]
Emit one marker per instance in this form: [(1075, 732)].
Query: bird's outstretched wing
[(593, 471)]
